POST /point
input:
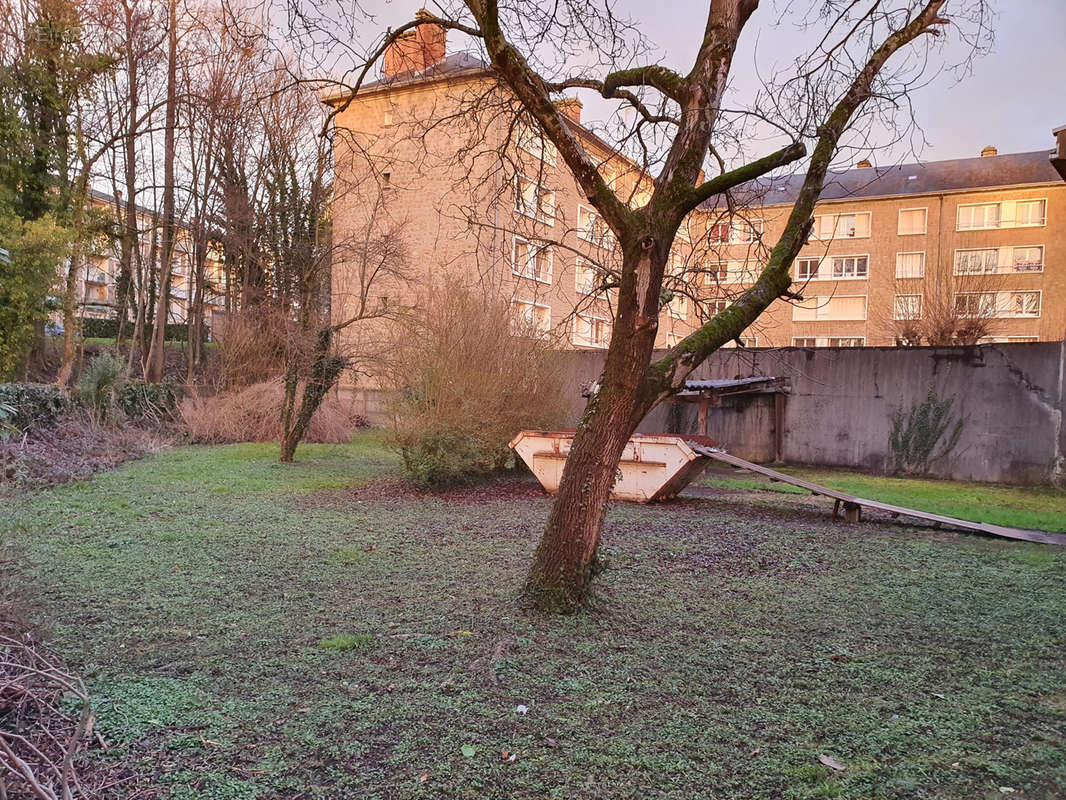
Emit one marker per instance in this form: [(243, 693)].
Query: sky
[(1013, 99)]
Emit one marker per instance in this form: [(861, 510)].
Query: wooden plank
[(842, 498)]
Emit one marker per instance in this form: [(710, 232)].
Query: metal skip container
[(654, 466)]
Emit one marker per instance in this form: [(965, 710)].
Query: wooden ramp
[(853, 505)]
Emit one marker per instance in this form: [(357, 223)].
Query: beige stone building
[(434, 152)]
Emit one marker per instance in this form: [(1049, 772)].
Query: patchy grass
[(1037, 508), (736, 639)]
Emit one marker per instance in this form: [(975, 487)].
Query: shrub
[(923, 435), (100, 382), (94, 328), (253, 344), (466, 384), (253, 414), (32, 406), (149, 402)]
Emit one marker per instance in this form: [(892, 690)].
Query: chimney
[(989, 151), (571, 107), (417, 50), (864, 164)]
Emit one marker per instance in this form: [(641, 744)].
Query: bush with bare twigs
[(253, 414), (253, 344), (466, 383)]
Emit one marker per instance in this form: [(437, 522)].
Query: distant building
[(98, 296), (980, 239)]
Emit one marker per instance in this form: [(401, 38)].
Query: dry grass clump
[(467, 380), (253, 344), (253, 414)]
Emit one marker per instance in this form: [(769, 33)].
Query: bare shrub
[(253, 344), (467, 380), (253, 414)]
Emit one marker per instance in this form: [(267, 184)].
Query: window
[(1025, 304), (716, 305), (1031, 212), (998, 304), (999, 259), (586, 278), (908, 306), (386, 116), (845, 307), (531, 318), (912, 221), (978, 216), (910, 265), (715, 272), (532, 260), (828, 341), (745, 341), (851, 266), (975, 304), (534, 200), (1029, 259), (734, 272), (672, 339), (836, 268), (842, 226), (532, 141), (1008, 214), (845, 341), (591, 331), (807, 268), (971, 262), (592, 228), (735, 231)]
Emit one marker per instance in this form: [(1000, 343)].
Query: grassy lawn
[(1037, 508), (257, 630)]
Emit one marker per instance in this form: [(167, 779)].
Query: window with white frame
[(715, 272), (532, 260), (672, 339), (851, 267), (1029, 258), (910, 265), (716, 305), (807, 268), (1005, 214), (532, 141), (998, 304), (912, 221), (587, 278), (907, 306), (590, 331), (735, 231), (745, 341), (804, 341), (837, 307), (842, 226), (735, 272), (534, 200), (531, 318), (592, 228), (828, 341)]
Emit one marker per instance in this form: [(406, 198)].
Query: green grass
[(1037, 508), (735, 640)]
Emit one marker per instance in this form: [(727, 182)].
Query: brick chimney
[(989, 151), (417, 50), (571, 107), (864, 164)]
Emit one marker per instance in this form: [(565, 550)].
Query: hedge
[(92, 328)]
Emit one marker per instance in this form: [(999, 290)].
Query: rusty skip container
[(654, 466)]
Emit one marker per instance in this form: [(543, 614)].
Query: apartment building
[(434, 150), (99, 285)]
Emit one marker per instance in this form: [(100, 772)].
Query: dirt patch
[(75, 449)]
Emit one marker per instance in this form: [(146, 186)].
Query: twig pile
[(46, 722)]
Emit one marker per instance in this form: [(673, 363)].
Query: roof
[(931, 177), (452, 66), (726, 383)]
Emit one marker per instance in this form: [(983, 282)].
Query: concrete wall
[(840, 409)]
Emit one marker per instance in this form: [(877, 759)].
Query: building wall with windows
[(434, 147)]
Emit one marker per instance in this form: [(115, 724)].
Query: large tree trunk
[(326, 370), (566, 559)]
